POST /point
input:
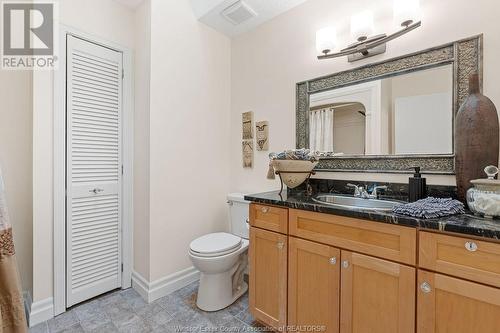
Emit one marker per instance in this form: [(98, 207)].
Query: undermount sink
[(355, 202)]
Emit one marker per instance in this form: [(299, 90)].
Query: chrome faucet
[(358, 190), (375, 190), (361, 192)]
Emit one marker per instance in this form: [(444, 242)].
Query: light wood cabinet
[(447, 304), (269, 218), (461, 257), (313, 286), (268, 277), (377, 239), (377, 296), (312, 270)]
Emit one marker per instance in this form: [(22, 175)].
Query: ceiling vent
[(238, 13)]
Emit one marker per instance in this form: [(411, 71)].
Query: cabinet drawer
[(467, 258), (377, 239), (269, 218)]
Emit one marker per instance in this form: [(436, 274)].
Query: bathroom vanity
[(317, 267)]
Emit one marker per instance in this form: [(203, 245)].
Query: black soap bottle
[(417, 187)]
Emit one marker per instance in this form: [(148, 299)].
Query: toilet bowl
[(222, 259)]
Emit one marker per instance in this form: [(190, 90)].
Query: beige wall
[(268, 61), (189, 133), (16, 146), (141, 139), (108, 20)]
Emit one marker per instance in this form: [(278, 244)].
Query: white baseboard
[(152, 291), (38, 312)]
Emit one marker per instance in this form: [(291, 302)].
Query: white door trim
[(60, 164)]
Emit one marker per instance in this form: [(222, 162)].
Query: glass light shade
[(362, 25), (406, 12), (326, 39)]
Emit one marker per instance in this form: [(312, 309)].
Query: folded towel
[(294, 154), (430, 208)]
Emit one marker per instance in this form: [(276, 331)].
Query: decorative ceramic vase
[(476, 137)]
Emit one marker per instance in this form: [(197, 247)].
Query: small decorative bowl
[(290, 171), (484, 197)]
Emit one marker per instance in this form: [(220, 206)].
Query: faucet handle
[(357, 189)]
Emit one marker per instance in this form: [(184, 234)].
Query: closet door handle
[(96, 190)]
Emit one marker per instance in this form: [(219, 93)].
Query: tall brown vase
[(476, 137)]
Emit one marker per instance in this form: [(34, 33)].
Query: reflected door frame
[(368, 94)]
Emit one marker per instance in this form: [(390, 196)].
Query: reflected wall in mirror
[(406, 114)]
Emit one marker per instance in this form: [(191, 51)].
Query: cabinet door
[(268, 277), (313, 286), (447, 304), (377, 296)]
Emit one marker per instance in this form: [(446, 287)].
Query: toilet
[(222, 259)]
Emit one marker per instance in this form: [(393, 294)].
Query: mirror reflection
[(406, 114)]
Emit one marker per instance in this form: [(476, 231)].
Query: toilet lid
[(219, 242)]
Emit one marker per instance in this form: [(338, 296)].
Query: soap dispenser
[(417, 186)]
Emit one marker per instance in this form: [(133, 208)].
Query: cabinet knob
[(471, 246), (345, 264), (264, 209), (425, 287), (280, 245), (333, 260)]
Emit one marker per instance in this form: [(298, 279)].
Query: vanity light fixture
[(406, 13), (362, 26), (326, 39)]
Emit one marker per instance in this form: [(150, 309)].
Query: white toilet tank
[(238, 214)]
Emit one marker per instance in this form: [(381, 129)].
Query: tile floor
[(126, 311)]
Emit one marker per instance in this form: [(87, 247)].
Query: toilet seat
[(215, 244)]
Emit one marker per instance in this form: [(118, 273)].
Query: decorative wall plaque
[(247, 149), (247, 122), (262, 135)]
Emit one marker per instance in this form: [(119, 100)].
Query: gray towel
[(294, 154), (430, 208)]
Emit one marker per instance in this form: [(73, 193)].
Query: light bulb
[(362, 25), (326, 39), (406, 12)]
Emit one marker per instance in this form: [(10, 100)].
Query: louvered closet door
[(93, 172)]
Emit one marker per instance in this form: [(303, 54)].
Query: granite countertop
[(466, 224)]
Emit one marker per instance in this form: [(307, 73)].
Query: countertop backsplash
[(396, 191)]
